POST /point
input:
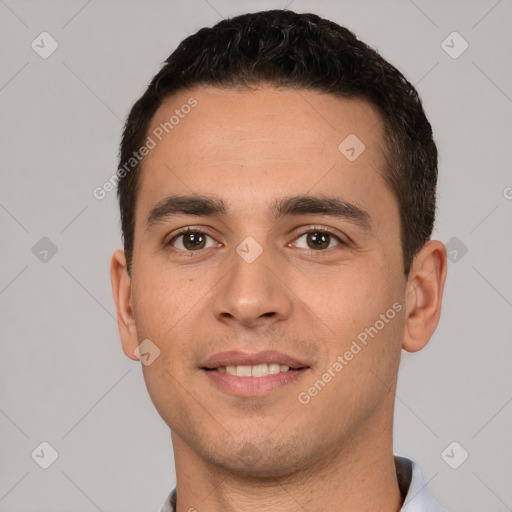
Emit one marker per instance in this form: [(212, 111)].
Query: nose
[(253, 294)]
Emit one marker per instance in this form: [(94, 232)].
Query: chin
[(262, 461)]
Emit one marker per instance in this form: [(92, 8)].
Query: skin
[(251, 147)]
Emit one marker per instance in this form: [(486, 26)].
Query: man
[(277, 188)]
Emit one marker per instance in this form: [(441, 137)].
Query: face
[(294, 262)]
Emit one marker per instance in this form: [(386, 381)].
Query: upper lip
[(236, 357)]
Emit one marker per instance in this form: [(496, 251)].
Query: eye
[(191, 240), (318, 240)]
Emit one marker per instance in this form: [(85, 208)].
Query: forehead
[(230, 121), (252, 146)]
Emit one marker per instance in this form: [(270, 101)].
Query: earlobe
[(121, 291), (424, 294)]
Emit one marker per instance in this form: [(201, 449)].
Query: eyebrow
[(203, 206)]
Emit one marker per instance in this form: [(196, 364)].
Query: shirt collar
[(417, 497)]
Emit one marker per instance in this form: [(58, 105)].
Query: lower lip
[(253, 386)]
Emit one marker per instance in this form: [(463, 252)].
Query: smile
[(253, 375), (258, 370)]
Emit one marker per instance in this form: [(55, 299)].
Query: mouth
[(245, 375), (258, 370)]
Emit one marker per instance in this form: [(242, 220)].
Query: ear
[(121, 290), (424, 295)]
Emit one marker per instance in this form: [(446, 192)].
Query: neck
[(358, 478)]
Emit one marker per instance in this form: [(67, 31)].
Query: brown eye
[(317, 240), (191, 241)]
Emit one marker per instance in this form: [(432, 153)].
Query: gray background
[(64, 378)]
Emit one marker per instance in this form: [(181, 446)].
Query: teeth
[(259, 370), (274, 368), (243, 371)]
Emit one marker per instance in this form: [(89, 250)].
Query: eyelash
[(313, 229)]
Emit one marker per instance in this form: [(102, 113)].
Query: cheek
[(364, 313), (162, 300), (342, 297), (164, 306), (357, 302)]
